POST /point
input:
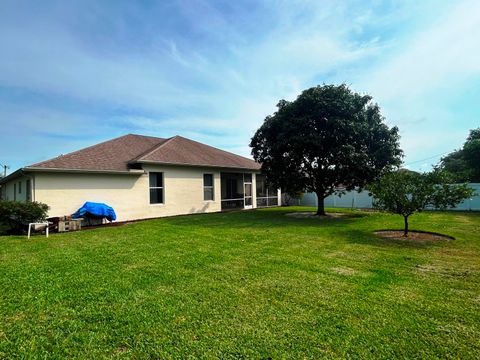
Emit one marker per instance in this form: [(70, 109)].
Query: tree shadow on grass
[(263, 219)]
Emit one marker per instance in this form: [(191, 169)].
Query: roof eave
[(195, 165), (14, 175), (94, 171)]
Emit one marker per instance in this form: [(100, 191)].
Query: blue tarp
[(97, 210)]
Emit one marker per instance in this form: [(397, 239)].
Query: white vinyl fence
[(355, 199)]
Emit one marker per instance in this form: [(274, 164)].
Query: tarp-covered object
[(97, 210)]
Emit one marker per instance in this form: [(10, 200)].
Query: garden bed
[(420, 236), (313, 215)]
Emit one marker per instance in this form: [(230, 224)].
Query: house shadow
[(350, 228), (202, 210), (259, 218)]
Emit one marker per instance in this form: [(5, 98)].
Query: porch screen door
[(247, 183)]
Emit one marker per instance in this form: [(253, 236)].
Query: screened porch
[(237, 191)]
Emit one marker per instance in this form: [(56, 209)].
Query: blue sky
[(76, 73)]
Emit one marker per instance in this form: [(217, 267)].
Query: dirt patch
[(121, 350), (368, 210), (442, 271), (418, 236), (343, 271), (312, 215)]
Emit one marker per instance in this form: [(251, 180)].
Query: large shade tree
[(328, 137)]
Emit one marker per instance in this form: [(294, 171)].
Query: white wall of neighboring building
[(354, 199)]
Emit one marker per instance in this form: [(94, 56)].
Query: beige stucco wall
[(129, 194)]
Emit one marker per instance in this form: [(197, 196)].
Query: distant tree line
[(464, 163)]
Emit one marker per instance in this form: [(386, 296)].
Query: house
[(143, 177)]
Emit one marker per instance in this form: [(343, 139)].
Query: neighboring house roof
[(120, 154)]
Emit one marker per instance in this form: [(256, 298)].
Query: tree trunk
[(321, 204), (405, 230)]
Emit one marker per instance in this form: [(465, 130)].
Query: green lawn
[(253, 284)]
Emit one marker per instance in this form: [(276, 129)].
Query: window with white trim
[(156, 187), (208, 193)]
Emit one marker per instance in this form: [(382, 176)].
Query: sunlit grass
[(244, 284)]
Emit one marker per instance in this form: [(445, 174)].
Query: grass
[(3, 229), (244, 284)]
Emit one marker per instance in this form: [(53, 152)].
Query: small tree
[(405, 192), (328, 137)]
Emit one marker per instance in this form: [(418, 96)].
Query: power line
[(431, 157)]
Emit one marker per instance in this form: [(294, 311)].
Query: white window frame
[(156, 187), (245, 183), (208, 187)]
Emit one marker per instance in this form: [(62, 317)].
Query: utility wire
[(431, 157)]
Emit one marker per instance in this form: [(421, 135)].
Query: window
[(247, 184), (28, 190), (19, 187), (15, 192), (207, 187), (156, 187)]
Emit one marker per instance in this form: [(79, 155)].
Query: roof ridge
[(144, 136), (213, 147), (153, 149), (77, 151)]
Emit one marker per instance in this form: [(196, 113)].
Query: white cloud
[(441, 56), (420, 86)]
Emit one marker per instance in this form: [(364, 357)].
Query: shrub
[(16, 215)]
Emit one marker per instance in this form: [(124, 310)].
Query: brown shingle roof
[(113, 155), (179, 150), (120, 153)]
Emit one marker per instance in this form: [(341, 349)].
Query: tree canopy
[(405, 192), (328, 137), (465, 162)]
